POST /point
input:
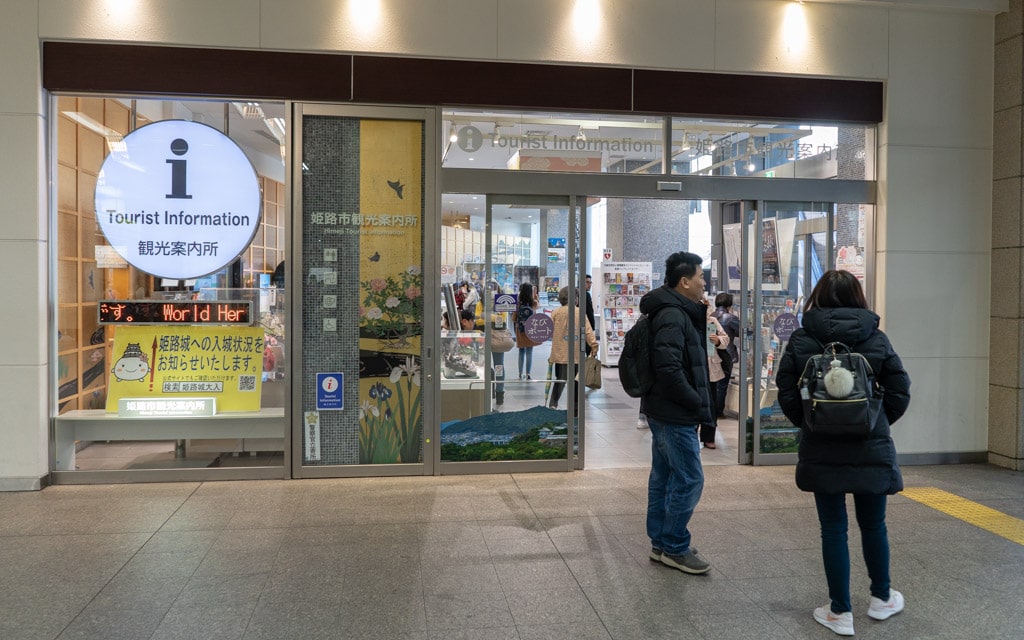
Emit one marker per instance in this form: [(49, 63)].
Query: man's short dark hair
[(466, 314), (679, 265), (723, 300)]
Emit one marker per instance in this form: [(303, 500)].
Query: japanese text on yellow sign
[(225, 363)]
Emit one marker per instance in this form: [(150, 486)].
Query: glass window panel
[(573, 142), (772, 150), (90, 129)]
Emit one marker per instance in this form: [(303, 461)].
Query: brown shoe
[(710, 445)]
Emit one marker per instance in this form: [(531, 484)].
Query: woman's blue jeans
[(675, 485), (525, 354), (835, 552)]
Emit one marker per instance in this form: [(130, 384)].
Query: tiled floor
[(528, 556), (510, 556)]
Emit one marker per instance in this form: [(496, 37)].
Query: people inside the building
[(717, 342), (730, 322), (590, 310), (527, 304), (560, 344), (499, 323)]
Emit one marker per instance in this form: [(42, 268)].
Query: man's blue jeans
[(675, 485), (835, 552)]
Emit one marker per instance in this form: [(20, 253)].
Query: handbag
[(592, 372), (501, 341)]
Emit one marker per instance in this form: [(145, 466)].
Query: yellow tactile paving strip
[(979, 515)]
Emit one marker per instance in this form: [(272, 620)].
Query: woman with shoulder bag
[(560, 347), (837, 311), (527, 305)]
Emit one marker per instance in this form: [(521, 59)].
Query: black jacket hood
[(840, 324), (665, 296)]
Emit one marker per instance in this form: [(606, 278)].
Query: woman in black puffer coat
[(836, 311)]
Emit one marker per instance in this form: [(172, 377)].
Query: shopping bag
[(592, 372)]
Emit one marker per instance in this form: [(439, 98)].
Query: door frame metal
[(430, 222), (508, 466)]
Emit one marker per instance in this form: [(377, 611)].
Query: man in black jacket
[(678, 402)]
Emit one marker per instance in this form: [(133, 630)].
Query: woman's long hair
[(837, 288), (526, 295)]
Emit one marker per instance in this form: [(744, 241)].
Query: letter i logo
[(179, 147)]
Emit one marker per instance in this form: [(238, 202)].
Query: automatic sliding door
[(791, 243)]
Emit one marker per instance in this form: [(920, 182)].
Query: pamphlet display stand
[(621, 285)]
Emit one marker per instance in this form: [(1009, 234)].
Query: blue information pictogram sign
[(329, 391)]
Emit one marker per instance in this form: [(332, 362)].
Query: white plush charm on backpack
[(838, 381)]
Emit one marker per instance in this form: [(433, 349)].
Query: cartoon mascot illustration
[(133, 365)]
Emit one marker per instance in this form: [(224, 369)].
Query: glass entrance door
[(506, 387), (774, 259)]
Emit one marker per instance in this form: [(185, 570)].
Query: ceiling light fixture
[(249, 110)]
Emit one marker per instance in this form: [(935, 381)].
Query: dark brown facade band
[(78, 67)]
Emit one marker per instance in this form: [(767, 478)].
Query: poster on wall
[(732, 240), (551, 285), (556, 249), (527, 273), (391, 311), (168, 362), (771, 267)]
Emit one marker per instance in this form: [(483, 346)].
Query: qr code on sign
[(246, 383)]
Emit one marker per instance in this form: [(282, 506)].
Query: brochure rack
[(620, 287)]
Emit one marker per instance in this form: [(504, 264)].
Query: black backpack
[(636, 373), (840, 395)]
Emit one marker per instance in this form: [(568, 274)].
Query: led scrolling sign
[(176, 312)]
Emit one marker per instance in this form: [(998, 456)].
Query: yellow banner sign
[(225, 363)]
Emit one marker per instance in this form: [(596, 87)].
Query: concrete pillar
[(1006, 372)]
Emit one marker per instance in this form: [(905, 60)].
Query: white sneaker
[(840, 623), (885, 609), (641, 423)]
